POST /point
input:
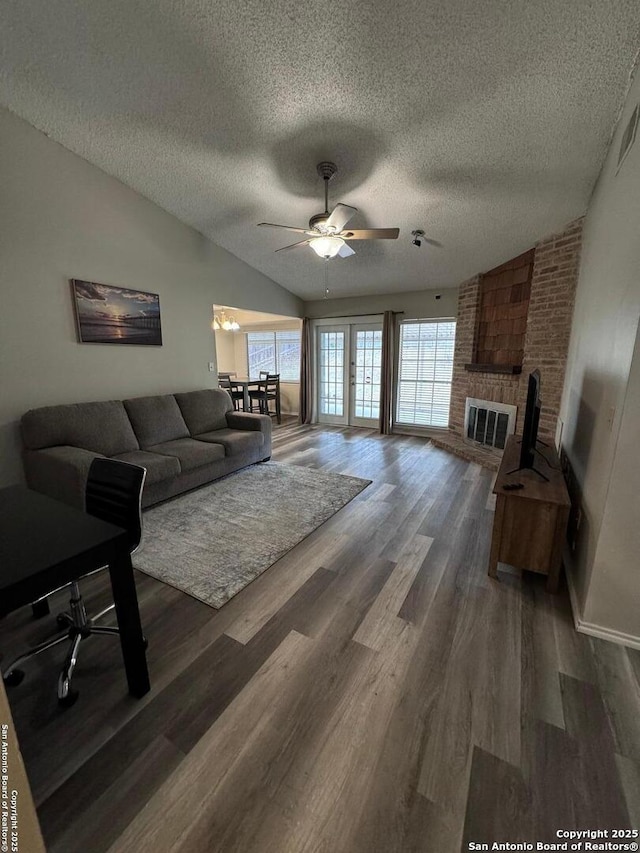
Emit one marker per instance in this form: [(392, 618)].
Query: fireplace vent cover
[(489, 423)]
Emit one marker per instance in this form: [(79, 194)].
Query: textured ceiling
[(483, 123)]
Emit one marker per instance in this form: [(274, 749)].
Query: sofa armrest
[(245, 420), (60, 472)]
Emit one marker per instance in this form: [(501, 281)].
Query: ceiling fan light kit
[(326, 233), (326, 247)]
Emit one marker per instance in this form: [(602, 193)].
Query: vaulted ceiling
[(483, 123)]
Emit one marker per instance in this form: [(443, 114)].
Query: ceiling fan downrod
[(326, 170)]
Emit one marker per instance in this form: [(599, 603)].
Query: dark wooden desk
[(530, 524), (45, 544)]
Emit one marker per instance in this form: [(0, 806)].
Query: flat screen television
[(531, 421)]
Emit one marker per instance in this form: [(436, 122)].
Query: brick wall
[(555, 273)]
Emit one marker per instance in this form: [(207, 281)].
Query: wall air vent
[(628, 137)]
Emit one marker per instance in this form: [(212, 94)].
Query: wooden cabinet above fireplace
[(502, 316)]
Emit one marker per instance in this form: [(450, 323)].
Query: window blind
[(275, 352), (425, 368)]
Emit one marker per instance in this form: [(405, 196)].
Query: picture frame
[(106, 314)]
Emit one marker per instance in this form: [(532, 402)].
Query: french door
[(349, 360)]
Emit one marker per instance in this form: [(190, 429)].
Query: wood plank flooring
[(372, 691)]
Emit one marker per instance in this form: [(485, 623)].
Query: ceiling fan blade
[(286, 227), (371, 234), (346, 251), (293, 245), (340, 215)]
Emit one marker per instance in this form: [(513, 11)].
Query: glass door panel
[(366, 362), (332, 407), (349, 374)]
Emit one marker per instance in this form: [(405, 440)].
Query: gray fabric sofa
[(183, 440)]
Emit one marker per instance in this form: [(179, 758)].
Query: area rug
[(214, 541)]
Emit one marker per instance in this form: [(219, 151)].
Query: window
[(275, 352), (425, 368)]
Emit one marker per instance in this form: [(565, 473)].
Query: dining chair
[(113, 493), (268, 390), (234, 391)]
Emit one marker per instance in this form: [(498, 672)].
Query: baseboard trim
[(618, 637), (420, 432), (590, 628), (573, 596)]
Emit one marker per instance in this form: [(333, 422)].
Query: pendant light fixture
[(222, 321)]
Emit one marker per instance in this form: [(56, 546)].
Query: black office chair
[(268, 389), (113, 493)]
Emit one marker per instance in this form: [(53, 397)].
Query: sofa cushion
[(103, 428), (156, 419), (189, 452), (204, 411), (158, 467), (234, 441)]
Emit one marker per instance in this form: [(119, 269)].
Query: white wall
[(416, 304), (62, 218), (597, 384), (613, 600), (226, 351)]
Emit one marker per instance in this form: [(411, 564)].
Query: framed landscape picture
[(116, 315)]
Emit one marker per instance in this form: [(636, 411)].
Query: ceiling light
[(326, 247)]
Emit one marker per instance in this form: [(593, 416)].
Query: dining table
[(245, 383)]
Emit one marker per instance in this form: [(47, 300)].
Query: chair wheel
[(145, 642), (13, 677), (70, 699)]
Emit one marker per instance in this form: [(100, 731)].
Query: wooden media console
[(530, 523)]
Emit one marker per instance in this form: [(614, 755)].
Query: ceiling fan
[(326, 233)]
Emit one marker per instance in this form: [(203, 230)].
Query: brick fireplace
[(546, 340)]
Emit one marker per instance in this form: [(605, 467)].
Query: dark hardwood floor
[(372, 691)]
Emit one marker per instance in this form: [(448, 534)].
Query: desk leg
[(131, 639)]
